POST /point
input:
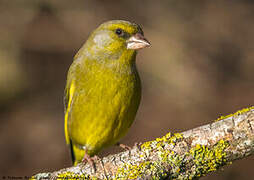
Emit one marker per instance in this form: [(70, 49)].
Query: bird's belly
[(103, 118)]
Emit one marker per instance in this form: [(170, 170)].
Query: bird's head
[(112, 38)]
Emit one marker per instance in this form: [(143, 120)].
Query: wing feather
[(68, 97)]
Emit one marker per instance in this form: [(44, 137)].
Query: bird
[(103, 89)]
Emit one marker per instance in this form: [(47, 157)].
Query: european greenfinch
[(103, 88)]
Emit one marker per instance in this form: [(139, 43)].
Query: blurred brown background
[(200, 66)]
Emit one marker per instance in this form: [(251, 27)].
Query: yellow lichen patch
[(72, 176), (151, 169), (134, 171), (167, 139), (155, 169), (171, 165), (208, 159), (236, 113), (146, 145)]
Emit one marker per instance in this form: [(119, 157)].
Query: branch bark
[(187, 155)]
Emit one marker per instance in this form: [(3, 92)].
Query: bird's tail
[(72, 152), (77, 154)]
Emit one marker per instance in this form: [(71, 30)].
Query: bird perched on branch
[(103, 89)]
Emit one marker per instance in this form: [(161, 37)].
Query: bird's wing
[(68, 96)]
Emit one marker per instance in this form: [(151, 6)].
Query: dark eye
[(119, 32)]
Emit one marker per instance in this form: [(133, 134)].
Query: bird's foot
[(90, 160), (128, 148), (125, 147)]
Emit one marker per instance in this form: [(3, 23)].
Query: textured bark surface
[(187, 155)]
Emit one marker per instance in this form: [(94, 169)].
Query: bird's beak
[(137, 41)]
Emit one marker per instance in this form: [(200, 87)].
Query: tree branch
[(187, 155)]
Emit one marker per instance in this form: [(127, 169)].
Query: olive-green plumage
[(103, 89)]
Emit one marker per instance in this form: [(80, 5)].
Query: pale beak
[(137, 41)]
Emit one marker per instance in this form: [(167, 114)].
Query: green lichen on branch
[(63, 176), (169, 164), (168, 161), (72, 176), (208, 159), (242, 111)]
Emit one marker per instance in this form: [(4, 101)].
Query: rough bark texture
[(187, 155)]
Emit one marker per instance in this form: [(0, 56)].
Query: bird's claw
[(125, 147), (90, 160)]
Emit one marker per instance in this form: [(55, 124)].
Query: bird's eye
[(119, 32)]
